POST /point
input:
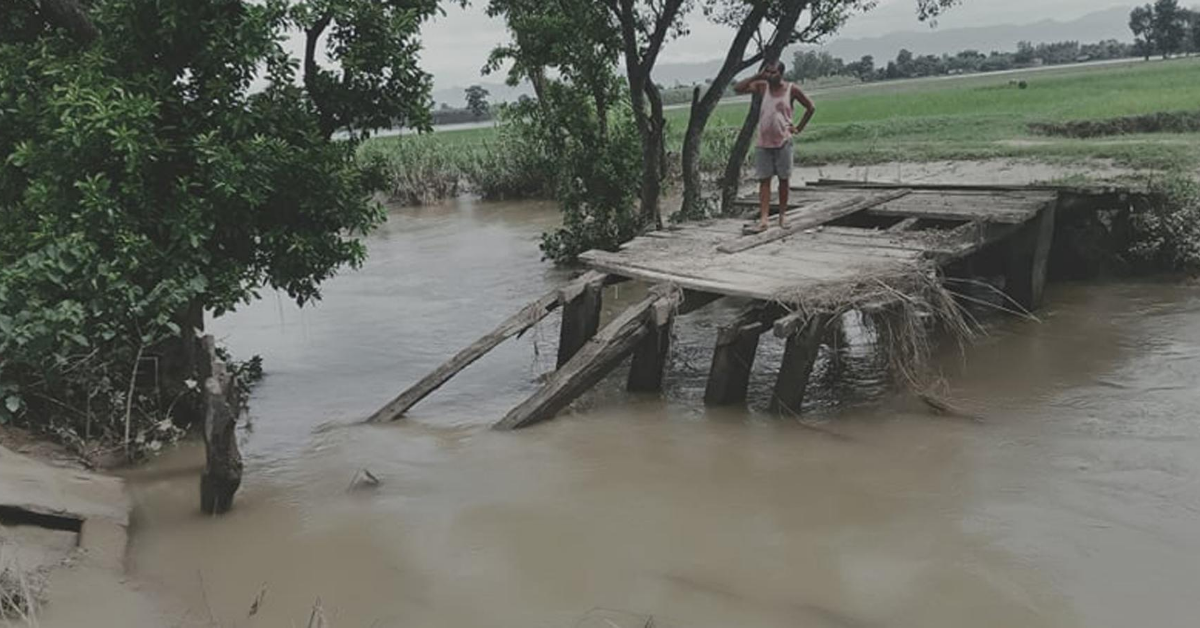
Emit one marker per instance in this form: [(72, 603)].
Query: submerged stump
[(222, 475)]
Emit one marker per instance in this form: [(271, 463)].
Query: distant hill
[(1093, 27), (1107, 24)]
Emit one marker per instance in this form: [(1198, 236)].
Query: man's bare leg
[(764, 202), (783, 199)]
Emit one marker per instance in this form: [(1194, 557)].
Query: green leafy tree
[(580, 118), (145, 176), (1170, 27), (477, 101), (1141, 22), (1161, 28)]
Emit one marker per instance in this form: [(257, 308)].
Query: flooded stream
[(1075, 501)]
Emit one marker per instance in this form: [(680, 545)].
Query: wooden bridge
[(836, 233)]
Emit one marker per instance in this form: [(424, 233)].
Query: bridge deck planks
[(688, 256)]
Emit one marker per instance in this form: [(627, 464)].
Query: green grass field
[(984, 116), (973, 117)]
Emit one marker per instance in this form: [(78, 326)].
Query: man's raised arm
[(753, 84)]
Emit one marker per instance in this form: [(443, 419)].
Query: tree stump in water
[(222, 474)]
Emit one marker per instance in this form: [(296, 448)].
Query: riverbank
[(63, 539)]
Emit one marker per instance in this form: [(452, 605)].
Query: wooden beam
[(1027, 258), (529, 316), (816, 215), (581, 301), (798, 359), (733, 357), (788, 325), (908, 224), (650, 355), (595, 360)]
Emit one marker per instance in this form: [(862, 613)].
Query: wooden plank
[(847, 183), (601, 354), (513, 325), (798, 359), (908, 224), (817, 215)]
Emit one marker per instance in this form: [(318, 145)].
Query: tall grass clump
[(416, 169), (516, 164)]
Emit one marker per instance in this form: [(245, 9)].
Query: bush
[(598, 167), (1165, 226)]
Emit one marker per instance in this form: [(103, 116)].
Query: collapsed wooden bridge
[(836, 233)]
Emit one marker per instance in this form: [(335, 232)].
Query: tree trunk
[(659, 125), (702, 107), (222, 475), (639, 62), (651, 186), (732, 178)]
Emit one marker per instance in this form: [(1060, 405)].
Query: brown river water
[(1073, 501)]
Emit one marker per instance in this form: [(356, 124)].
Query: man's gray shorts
[(773, 162)]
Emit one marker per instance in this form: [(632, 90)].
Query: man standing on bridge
[(773, 156)]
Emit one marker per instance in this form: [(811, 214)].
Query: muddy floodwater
[(1074, 500)]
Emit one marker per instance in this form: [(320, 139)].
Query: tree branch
[(71, 17), (311, 35)]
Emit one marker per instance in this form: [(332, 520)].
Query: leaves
[(149, 174)]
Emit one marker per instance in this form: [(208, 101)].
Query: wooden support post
[(597, 358), (798, 360), (733, 358), (1027, 258), (650, 356), (838, 342), (580, 317)]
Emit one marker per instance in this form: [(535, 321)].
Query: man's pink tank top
[(775, 118)]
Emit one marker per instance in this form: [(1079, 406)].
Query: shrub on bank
[(1165, 226)]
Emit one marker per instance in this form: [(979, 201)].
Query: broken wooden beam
[(798, 359), (596, 359), (518, 323), (733, 356), (814, 216)]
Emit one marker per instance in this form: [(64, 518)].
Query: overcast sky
[(457, 45)]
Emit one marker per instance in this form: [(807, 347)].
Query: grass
[(974, 117), (985, 116)]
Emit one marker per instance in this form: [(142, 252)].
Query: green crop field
[(985, 116), (970, 117)]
